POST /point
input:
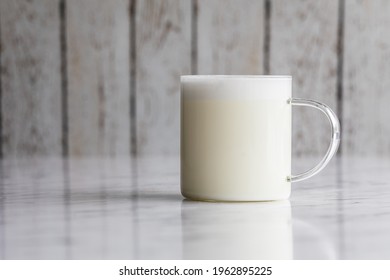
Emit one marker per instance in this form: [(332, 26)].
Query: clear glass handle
[(334, 142)]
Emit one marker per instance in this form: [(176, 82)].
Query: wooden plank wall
[(367, 78), (303, 44), (101, 78), (98, 77), (163, 53), (228, 29), (30, 78)]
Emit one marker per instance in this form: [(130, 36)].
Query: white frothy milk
[(235, 137)]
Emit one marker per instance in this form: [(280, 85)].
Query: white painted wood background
[(98, 77), (101, 78)]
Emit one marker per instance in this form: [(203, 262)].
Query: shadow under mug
[(236, 137)]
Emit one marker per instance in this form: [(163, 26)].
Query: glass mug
[(236, 137)]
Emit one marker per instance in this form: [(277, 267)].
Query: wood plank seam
[(194, 37), (340, 64), (267, 36), (1, 94), (64, 78), (133, 75)]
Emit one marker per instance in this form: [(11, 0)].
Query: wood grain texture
[(163, 40), (230, 37), (31, 78), (366, 78), (98, 77), (303, 44)]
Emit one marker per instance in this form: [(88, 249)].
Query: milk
[(235, 138)]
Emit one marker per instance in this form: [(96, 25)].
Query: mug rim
[(262, 77)]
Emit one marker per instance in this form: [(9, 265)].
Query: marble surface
[(132, 209)]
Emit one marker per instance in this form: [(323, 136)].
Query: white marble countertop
[(132, 209)]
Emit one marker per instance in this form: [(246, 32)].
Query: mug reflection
[(312, 242), (260, 230)]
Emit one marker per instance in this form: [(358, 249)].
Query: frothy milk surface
[(235, 138)]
